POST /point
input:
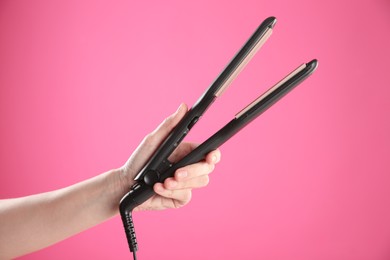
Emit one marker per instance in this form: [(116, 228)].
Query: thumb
[(152, 141), (163, 130)]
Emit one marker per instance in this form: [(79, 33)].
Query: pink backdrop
[(81, 83)]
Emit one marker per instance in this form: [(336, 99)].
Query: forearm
[(34, 222), (37, 221)]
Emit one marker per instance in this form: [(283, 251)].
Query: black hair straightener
[(158, 168)]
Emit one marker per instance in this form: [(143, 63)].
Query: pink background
[(81, 83)]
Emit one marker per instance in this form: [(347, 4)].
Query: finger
[(182, 150), (150, 143), (176, 198), (163, 130), (185, 148), (194, 183), (190, 177), (213, 156), (193, 171)]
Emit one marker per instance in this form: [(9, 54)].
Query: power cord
[(128, 224)]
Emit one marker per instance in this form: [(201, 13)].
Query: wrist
[(117, 185)]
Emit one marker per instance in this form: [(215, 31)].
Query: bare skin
[(31, 223)]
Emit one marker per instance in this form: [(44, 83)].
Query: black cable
[(128, 224)]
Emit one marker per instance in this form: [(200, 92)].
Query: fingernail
[(182, 174)]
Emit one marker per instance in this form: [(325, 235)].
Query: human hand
[(176, 191)]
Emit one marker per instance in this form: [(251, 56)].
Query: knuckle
[(167, 122), (150, 139)]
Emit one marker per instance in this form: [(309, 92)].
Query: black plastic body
[(141, 191), (159, 161), (236, 124), (158, 168), (158, 164)]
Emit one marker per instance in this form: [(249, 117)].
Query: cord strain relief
[(128, 224)]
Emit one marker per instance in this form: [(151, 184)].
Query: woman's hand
[(64, 212), (175, 192)]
